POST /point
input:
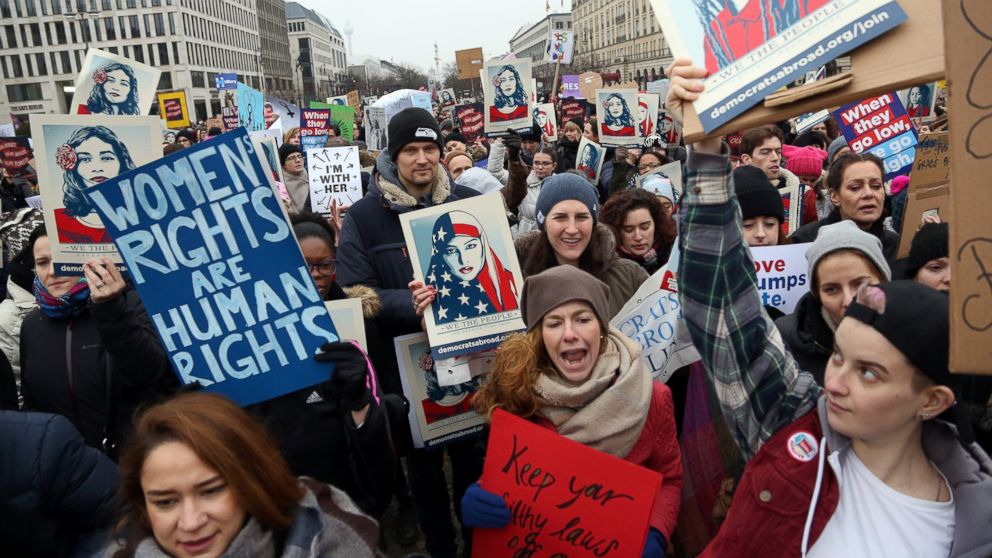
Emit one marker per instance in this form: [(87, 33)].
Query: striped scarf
[(61, 306)]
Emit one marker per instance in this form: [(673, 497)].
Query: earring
[(926, 416)]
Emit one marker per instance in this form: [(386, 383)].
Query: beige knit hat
[(563, 283)]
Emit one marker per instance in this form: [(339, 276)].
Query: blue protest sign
[(880, 126), (251, 106), (218, 269), (226, 81)]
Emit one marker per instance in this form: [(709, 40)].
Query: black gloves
[(512, 143), (350, 379)]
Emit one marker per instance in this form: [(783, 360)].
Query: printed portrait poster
[(647, 114), (617, 110), (283, 113), (752, 48), (339, 100), (74, 153), (229, 108), (570, 86), (880, 126), (470, 120), (544, 118), (669, 130), (376, 128), (782, 274), (506, 85), (172, 108), (561, 45), (438, 414), (653, 317), (919, 101), (465, 250), (567, 498), (344, 117), (15, 153), (313, 128), (251, 109), (267, 143), (335, 174), (446, 97), (112, 84), (589, 160), (238, 311)]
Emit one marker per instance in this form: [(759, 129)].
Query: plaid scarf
[(65, 305)]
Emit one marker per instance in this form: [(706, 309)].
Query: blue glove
[(481, 508), (655, 546)]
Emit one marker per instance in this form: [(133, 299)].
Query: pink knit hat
[(804, 162), (899, 184)]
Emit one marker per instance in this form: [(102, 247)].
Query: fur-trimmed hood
[(371, 303)]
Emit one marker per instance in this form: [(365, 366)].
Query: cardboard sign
[(566, 499), (75, 153), (354, 101), (544, 118), (210, 250), (439, 414), (933, 160), (589, 159), (348, 319), (376, 128), (251, 108), (589, 82), (471, 121), (923, 201), (344, 117), (506, 85), (465, 250), (880, 126), (15, 153), (335, 175), (653, 317), (313, 128), (570, 86), (469, 62), (173, 109), (782, 274), (561, 44), (112, 84), (226, 81), (753, 52)]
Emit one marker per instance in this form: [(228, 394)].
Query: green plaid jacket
[(758, 383)]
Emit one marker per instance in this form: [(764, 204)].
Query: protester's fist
[(106, 283), (349, 381), (684, 86)]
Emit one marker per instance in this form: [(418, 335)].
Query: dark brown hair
[(835, 177), (616, 208), (753, 138), (541, 255), (226, 439), (550, 152)]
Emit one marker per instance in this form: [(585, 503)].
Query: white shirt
[(874, 520)]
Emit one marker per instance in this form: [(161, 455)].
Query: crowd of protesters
[(103, 453)]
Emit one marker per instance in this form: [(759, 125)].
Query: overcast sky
[(405, 30)]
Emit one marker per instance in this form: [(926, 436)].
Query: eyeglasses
[(648, 166), (324, 268), (543, 163), (294, 157)]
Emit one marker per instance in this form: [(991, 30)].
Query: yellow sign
[(173, 109)]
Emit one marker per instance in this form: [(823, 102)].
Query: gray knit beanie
[(846, 235), (563, 283), (566, 186), (839, 143)]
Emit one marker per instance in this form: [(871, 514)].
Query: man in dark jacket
[(372, 252), (56, 494)]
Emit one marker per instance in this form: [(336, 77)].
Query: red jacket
[(771, 501), (657, 449)]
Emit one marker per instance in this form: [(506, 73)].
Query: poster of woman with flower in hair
[(74, 153), (617, 122), (112, 84), (506, 84), (465, 252)]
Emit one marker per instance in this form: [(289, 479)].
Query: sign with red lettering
[(880, 126), (781, 271), (470, 120), (15, 152), (565, 499)]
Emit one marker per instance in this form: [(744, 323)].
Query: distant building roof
[(297, 11)]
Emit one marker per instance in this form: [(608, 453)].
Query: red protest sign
[(15, 153), (565, 499)]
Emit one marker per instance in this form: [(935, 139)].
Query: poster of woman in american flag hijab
[(465, 251)]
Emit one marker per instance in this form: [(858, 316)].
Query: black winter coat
[(890, 240), (319, 439), (56, 494), (568, 152), (807, 336), (95, 368)]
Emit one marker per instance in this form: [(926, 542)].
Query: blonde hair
[(290, 133)]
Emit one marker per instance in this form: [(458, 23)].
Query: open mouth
[(199, 545), (571, 242), (575, 358)]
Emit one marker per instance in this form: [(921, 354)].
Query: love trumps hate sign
[(218, 269), (565, 499)]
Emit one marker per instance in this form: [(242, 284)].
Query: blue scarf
[(62, 306)]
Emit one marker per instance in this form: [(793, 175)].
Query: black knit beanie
[(410, 125), (185, 133), (455, 136), (287, 149), (756, 195), (929, 243)]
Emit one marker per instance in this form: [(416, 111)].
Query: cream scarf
[(607, 412)]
